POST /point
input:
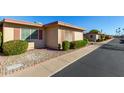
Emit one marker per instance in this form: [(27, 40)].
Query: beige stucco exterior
[(56, 35), (8, 34), (93, 37), (78, 35), (70, 34), (52, 35), (31, 45), (65, 34)]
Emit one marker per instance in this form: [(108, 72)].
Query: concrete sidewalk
[(52, 66)]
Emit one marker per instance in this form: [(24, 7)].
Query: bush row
[(66, 45), (103, 39), (100, 40), (15, 47)]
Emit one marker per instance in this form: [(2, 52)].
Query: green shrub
[(65, 45), (102, 37), (78, 43), (86, 40), (107, 37), (98, 40), (15, 47)]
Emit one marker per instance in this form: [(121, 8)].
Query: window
[(34, 34), (28, 34), (25, 34), (91, 36)]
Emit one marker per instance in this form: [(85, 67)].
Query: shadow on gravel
[(1, 54)]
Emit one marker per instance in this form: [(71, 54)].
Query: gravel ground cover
[(32, 57)]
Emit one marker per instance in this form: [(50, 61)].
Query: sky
[(108, 24)]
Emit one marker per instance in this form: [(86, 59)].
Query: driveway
[(103, 62)]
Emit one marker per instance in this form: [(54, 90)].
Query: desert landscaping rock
[(31, 57)]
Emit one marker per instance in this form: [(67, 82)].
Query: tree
[(95, 31), (118, 31)]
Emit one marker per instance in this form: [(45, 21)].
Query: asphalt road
[(103, 62)]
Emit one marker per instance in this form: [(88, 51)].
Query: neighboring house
[(48, 35), (93, 36)]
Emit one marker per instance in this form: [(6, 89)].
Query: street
[(103, 62)]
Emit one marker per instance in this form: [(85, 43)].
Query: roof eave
[(58, 23), (21, 23)]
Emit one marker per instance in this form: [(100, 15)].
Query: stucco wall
[(78, 35), (66, 34), (75, 35), (8, 34), (52, 37), (97, 37), (94, 37), (60, 36)]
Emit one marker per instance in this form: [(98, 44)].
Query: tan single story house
[(41, 35), (93, 36)]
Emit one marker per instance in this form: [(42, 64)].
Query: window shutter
[(16, 33)]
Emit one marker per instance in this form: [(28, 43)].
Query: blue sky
[(108, 24)]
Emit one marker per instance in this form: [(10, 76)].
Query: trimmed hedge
[(100, 40), (65, 45), (78, 44), (107, 37), (15, 47), (86, 40)]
